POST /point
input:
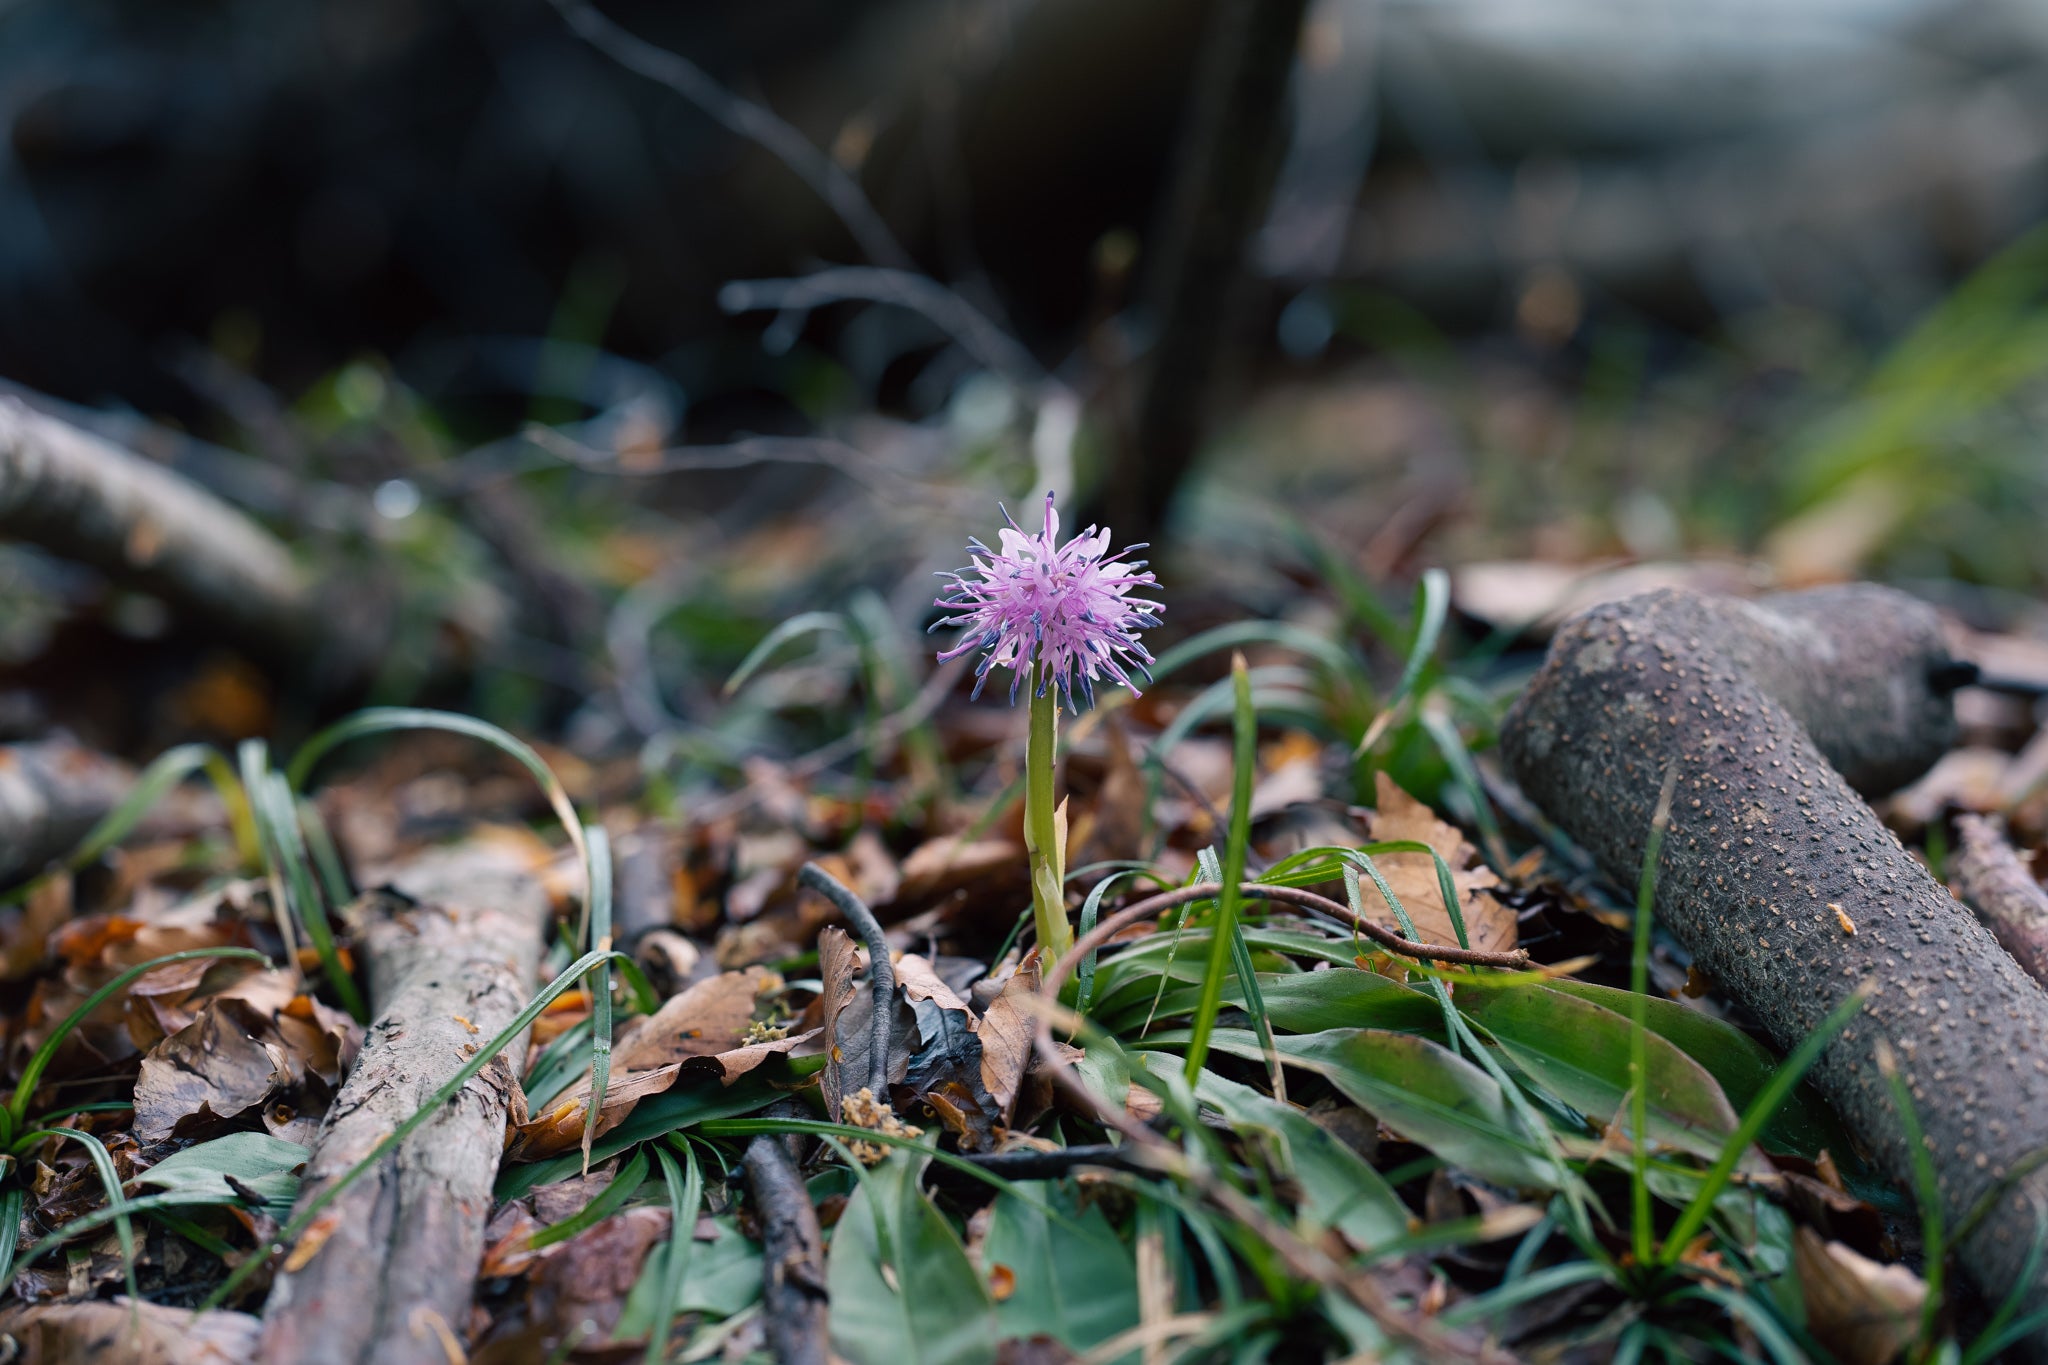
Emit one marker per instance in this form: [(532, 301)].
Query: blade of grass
[(1795, 1067), (1432, 604), (1245, 733), (117, 1202), (803, 623), (277, 819), (253, 757), (1926, 1192), (1643, 1237), (685, 1198), (600, 907), (378, 720), (326, 857), (622, 1186)]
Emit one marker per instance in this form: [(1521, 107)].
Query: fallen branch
[(385, 1275), (793, 1263), (84, 498), (1991, 876), (51, 795), (1781, 880)]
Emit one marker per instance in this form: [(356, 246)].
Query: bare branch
[(752, 121)]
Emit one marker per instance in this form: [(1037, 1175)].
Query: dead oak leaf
[(1413, 876)]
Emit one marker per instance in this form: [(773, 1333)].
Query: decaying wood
[(1991, 877), (384, 1275), (51, 795), (82, 497), (1781, 879)]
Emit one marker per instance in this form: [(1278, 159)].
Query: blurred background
[(574, 350)]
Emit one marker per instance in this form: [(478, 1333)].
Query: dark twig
[(944, 308), (752, 121), (793, 1270), (1153, 906), (1034, 1165), (1991, 876), (881, 971)]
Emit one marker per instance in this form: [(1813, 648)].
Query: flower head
[(1066, 606)]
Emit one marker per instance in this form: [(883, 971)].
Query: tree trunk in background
[(1229, 153)]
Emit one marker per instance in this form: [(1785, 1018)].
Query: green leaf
[(1741, 1065), (691, 1101), (609, 1200), (1338, 1188), (1077, 1285), (1428, 1093), (723, 1278), (265, 1165), (1579, 1052), (1227, 943), (1309, 1002), (903, 1291)]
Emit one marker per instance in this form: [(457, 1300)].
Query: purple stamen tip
[(1066, 608)]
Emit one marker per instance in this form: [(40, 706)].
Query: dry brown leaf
[(1859, 1309), (560, 1127), (949, 862), (1490, 924), (920, 981), (137, 1333), (1006, 1034), (836, 963), (730, 1066), (226, 1062), (709, 1018)]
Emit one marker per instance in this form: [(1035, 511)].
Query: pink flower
[(1066, 605)]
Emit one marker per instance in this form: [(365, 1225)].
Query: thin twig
[(755, 122), (944, 308), (1153, 906), (1035, 1165), (881, 971), (793, 1270)]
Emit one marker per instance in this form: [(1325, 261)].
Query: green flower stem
[(1041, 829)]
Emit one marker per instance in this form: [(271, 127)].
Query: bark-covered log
[(1989, 874), (391, 1281), (51, 795), (84, 498), (1782, 881)]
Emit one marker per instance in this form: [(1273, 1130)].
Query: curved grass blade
[(1759, 1112), (117, 1203), (1432, 604), (377, 720), (1926, 1192), (1238, 634), (685, 1198), (1224, 935), (39, 1062), (277, 820), (600, 908), (803, 623), (622, 1186)]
